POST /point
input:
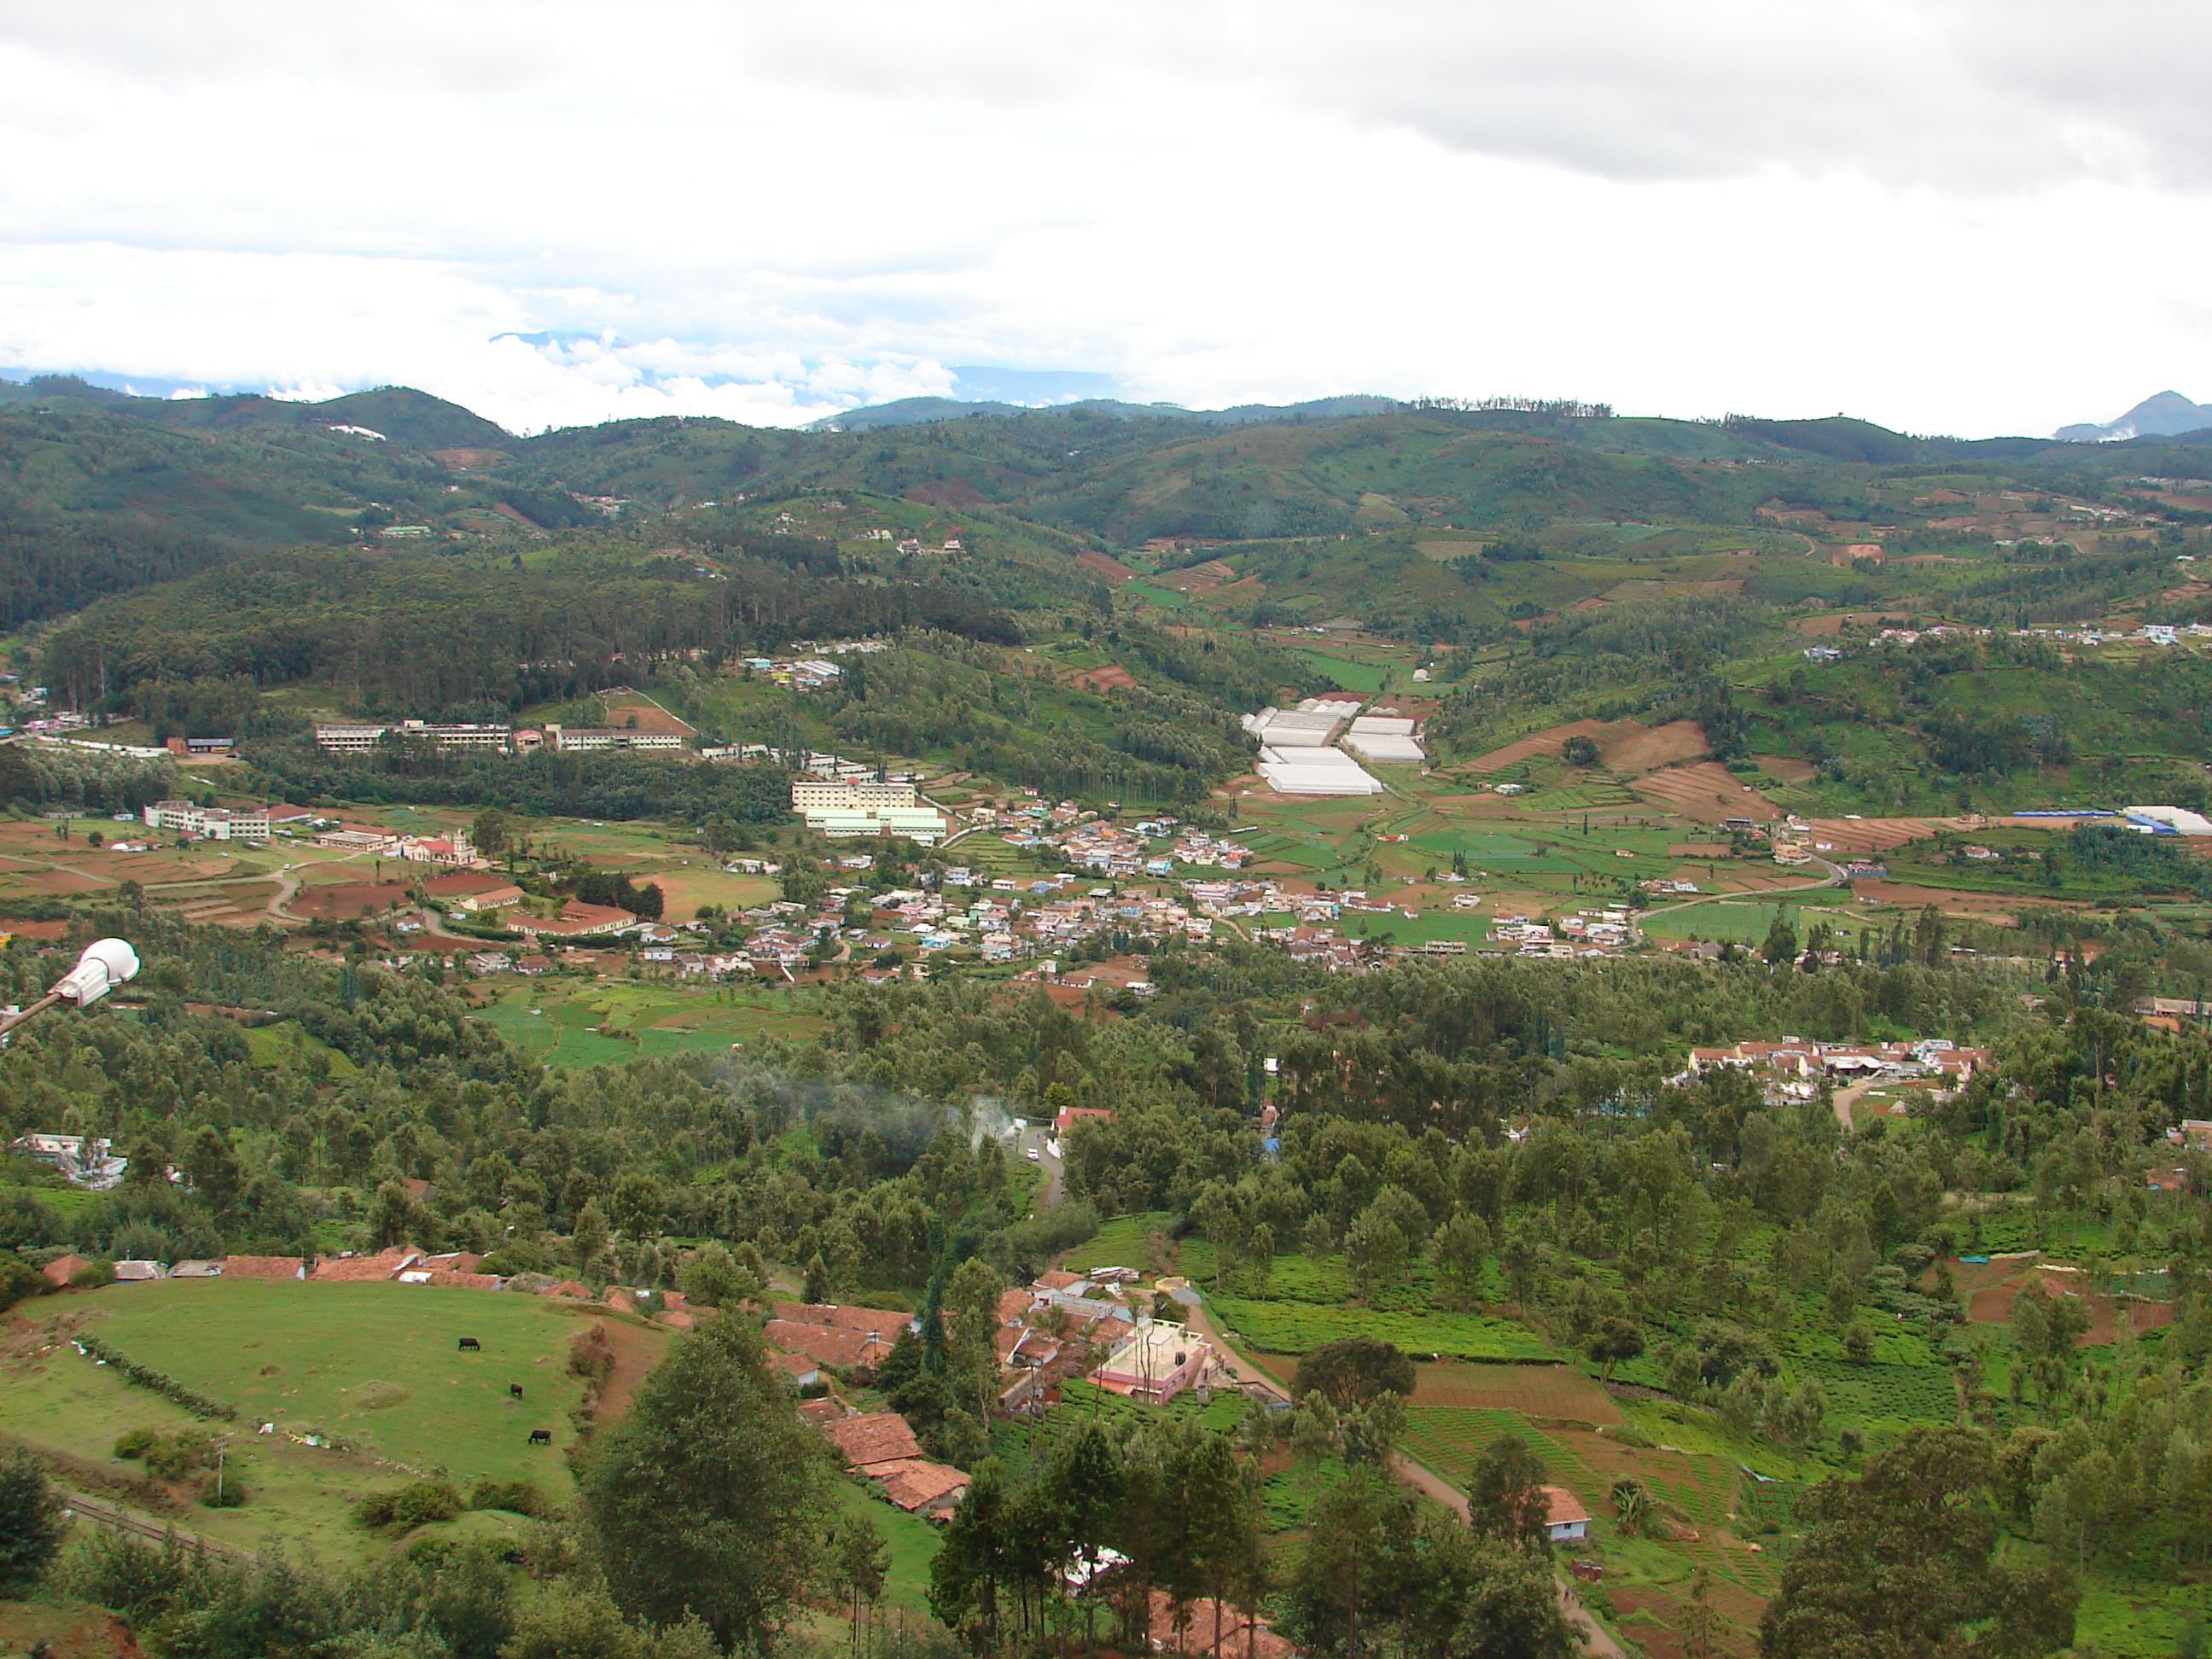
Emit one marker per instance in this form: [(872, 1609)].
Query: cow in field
[(541, 1436), (468, 1344)]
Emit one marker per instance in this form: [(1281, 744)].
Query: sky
[(1966, 216)]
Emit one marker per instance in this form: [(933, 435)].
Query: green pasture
[(567, 1022), (1354, 674), (1123, 1242), (375, 1364)]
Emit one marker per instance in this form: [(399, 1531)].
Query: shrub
[(31, 1527), (522, 1497), (172, 1456), (414, 1504), (19, 1279), (134, 1443), (145, 1377), (223, 1491)]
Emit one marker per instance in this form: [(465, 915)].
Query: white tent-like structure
[(1384, 738), (1315, 772)]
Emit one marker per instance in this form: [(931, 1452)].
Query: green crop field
[(1293, 1327), (375, 1366)]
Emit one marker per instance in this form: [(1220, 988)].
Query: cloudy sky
[(1950, 215)]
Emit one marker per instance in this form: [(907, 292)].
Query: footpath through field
[(1418, 1475)]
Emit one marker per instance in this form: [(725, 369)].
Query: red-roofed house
[(264, 1266), (875, 1438), (1569, 1520), (798, 1369), (886, 1323), (62, 1268), (355, 1269), (919, 1488), (829, 1345)]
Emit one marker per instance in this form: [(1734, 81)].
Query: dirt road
[(1595, 1637)]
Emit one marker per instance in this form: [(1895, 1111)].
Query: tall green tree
[(1505, 1498), (1354, 1568), (1351, 1370), (31, 1526), (973, 1562), (1901, 1562), (710, 1495)]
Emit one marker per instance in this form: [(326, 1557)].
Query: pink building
[(1155, 1364)]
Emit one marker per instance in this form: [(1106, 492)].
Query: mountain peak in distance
[(2163, 415)]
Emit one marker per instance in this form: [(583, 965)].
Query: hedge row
[(199, 1404)]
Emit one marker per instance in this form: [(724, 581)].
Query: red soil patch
[(1548, 742), (1707, 791), (1112, 677), (1560, 1392), (1859, 836), (65, 881), (33, 929), (1989, 1288), (465, 460), (1101, 564), (1986, 907), (635, 1350), (647, 717), (1642, 748), (348, 899), (1197, 577), (1786, 768)]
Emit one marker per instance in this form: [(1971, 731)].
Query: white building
[(849, 795), (184, 817)]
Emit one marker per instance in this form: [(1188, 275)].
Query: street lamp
[(105, 964)]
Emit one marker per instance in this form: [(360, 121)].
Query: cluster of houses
[(87, 1161), (1794, 1069)]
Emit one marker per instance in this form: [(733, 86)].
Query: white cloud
[(1915, 208)]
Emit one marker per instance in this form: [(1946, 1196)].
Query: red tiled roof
[(914, 1485), (791, 1364), (1565, 1505), (464, 1281), (59, 1270), (886, 1323), (827, 1344), (581, 1291), (676, 1320), (261, 1267), (459, 1262), (355, 1268), (1012, 1305), (1241, 1632), (1060, 1279), (875, 1438), (826, 1410)]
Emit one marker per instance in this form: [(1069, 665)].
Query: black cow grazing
[(541, 1436), (515, 1390), (470, 1342)]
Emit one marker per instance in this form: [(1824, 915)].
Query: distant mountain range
[(2165, 415), (912, 412)]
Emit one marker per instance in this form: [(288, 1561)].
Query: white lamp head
[(105, 964)]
